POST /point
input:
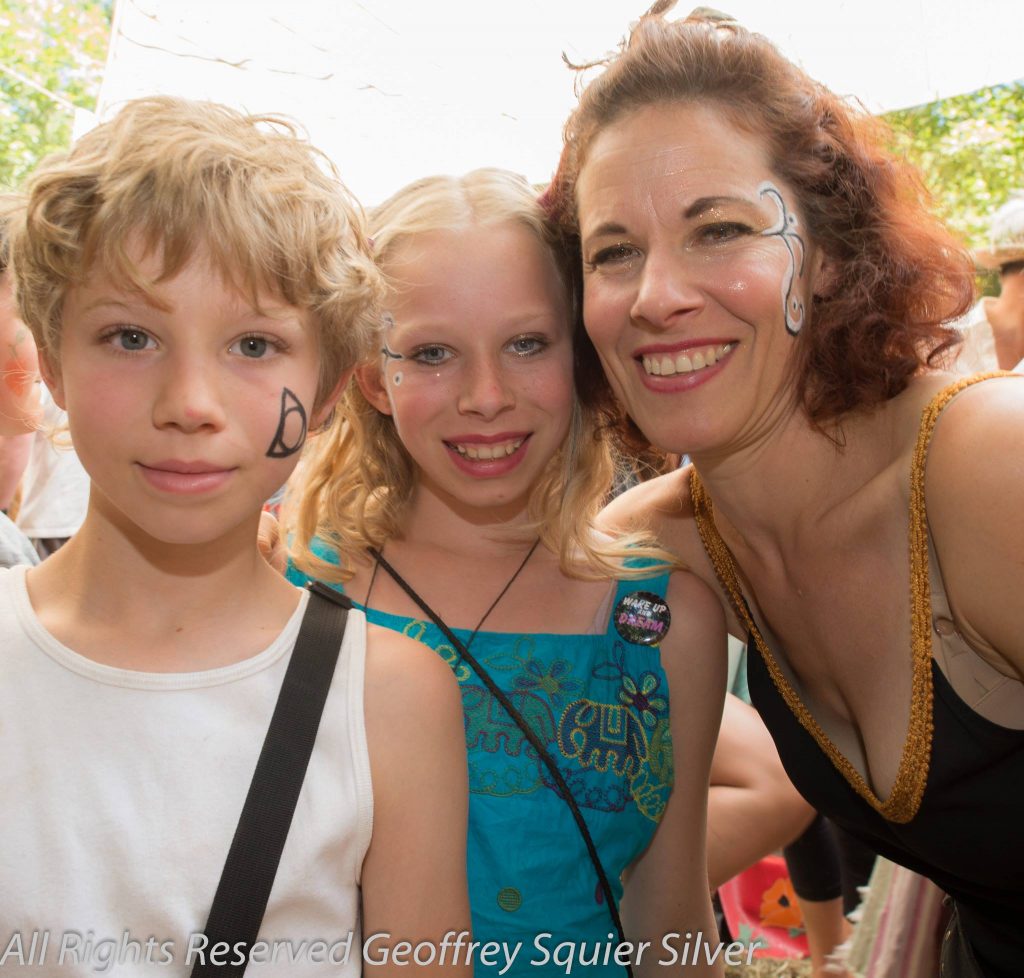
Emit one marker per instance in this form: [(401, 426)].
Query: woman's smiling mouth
[(694, 358)]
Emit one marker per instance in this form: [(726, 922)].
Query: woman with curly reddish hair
[(767, 293)]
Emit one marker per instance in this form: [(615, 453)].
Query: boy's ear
[(49, 370), (371, 383)]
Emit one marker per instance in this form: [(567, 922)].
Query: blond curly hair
[(171, 176), (358, 477)]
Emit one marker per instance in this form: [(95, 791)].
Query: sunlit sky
[(395, 89)]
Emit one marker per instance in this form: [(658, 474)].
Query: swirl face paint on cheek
[(291, 427), (389, 324), (785, 229)]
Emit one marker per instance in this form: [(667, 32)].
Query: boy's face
[(187, 418)]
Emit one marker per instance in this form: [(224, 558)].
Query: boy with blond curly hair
[(199, 285)]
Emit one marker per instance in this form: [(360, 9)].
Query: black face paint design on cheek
[(785, 230), (290, 408), (390, 354)]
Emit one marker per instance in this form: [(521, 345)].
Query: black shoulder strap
[(252, 861)]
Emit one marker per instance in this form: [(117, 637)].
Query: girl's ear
[(322, 415), (371, 383), (49, 370)]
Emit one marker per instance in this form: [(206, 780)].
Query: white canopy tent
[(395, 89)]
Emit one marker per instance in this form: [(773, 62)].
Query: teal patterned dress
[(600, 705)]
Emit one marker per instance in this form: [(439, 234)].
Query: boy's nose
[(188, 398)]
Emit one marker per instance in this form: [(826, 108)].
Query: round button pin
[(642, 618)]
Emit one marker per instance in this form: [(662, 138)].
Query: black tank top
[(960, 819)]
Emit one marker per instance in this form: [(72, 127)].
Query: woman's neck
[(776, 493)]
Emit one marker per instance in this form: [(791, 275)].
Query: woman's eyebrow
[(702, 204)]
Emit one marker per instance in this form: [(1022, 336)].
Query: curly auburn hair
[(897, 274)]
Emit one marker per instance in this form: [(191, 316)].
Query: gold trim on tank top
[(912, 775)]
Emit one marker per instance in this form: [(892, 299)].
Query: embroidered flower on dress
[(642, 699), (555, 680)]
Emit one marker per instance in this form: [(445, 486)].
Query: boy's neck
[(138, 603)]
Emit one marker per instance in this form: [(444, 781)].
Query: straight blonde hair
[(358, 477)]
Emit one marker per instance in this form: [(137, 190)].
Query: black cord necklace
[(543, 754), (378, 556)]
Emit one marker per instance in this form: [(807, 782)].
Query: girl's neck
[(435, 521)]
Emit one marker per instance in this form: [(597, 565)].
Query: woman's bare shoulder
[(662, 507), (649, 504)]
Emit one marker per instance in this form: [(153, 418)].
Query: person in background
[(993, 331), (19, 406)]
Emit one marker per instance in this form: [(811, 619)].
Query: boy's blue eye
[(133, 339), (253, 346)]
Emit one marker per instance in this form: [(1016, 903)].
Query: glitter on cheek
[(737, 287)]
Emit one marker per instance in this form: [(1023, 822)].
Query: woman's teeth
[(664, 365), (485, 452)]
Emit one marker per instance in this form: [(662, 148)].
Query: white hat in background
[(1006, 235)]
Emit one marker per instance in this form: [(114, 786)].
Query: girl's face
[(698, 275), (187, 412), (476, 362)]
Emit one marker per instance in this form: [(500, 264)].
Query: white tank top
[(122, 790)]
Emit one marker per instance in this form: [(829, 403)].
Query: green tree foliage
[(970, 149), (52, 55)]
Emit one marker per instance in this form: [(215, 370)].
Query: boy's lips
[(185, 477), (185, 467)]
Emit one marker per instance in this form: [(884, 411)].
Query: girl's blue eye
[(431, 355), (526, 346)]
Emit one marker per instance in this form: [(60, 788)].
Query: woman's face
[(698, 275), (476, 367)]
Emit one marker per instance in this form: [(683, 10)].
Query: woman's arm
[(667, 888), (975, 496), (662, 507), (414, 875)]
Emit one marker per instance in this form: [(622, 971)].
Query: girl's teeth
[(664, 366), (487, 452)]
